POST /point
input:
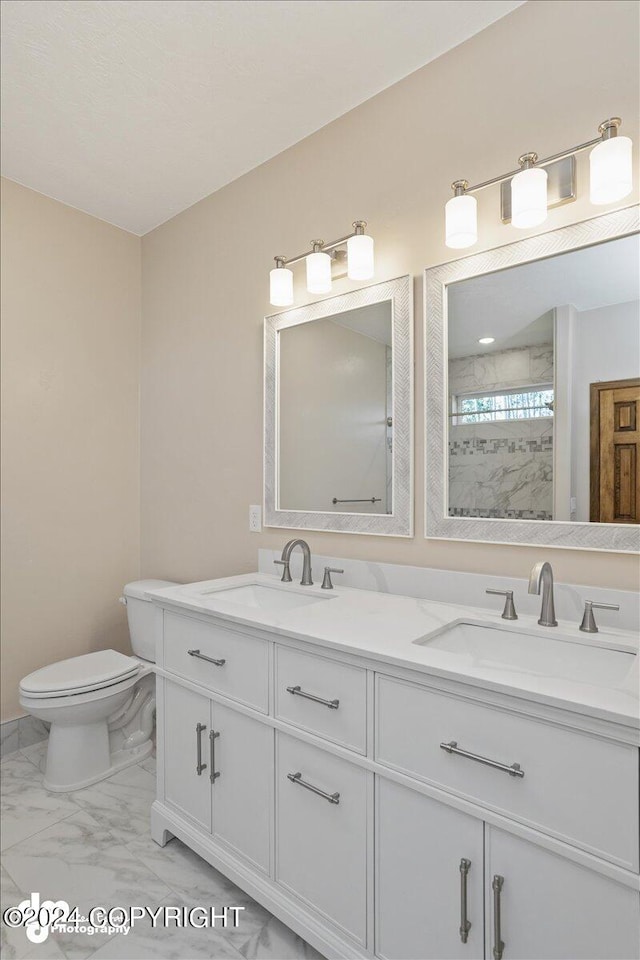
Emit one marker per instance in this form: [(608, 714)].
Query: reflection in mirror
[(335, 417), (338, 413), (544, 388)]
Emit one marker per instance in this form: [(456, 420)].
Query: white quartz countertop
[(384, 627)]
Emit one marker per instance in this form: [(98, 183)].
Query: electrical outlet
[(255, 518)]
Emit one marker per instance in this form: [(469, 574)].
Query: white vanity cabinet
[(552, 908), (438, 867), (242, 790), (322, 697), (229, 662), (540, 900), (218, 765), (384, 813), (186, 723), (430, 876), (321, 832)]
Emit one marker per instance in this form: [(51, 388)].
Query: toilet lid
[(92, 671)]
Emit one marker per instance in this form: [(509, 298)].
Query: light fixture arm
[(319, 246), (607, 130)]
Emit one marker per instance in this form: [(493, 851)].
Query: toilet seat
[(79, 675), (77, 699)]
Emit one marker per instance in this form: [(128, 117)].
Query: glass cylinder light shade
[(319, 273), (281, 287), (529, 198), (360, 257), (610, 170), (461, 222)]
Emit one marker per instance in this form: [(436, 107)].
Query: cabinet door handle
[(299, 692), (200, 766), (297, 778), (201, 656), (213, 736), (514, 770), (498, 945), (465, 923)]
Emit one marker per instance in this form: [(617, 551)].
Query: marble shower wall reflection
[(502, 468)]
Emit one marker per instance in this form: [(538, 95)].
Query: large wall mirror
[(338, 413), (533, 390)]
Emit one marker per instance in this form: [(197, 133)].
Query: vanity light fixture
[(360, 253), (461, 214), (360, 265), (281, 284), (610, 165), (529, 193), (318, 269), (540, 184)]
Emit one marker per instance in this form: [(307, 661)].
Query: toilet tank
[(140, 614)]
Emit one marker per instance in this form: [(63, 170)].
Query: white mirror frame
[(399, 523), (575, 535)]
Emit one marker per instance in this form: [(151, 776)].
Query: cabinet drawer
[(342, 717), (322, 845), (243, 676), (578, 788)]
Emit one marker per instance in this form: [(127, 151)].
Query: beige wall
[(541, 78), (70, 454)]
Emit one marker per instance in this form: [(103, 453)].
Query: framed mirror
[(532, 373), (339, 413)]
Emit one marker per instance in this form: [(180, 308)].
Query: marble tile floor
[(93, 847)]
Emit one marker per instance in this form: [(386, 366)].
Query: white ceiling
[(513, 305), (132, 111)]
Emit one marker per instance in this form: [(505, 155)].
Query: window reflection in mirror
[(335, 416), (544, 415)]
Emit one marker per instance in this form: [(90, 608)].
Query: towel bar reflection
[(366, 500)]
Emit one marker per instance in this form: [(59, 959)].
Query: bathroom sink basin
[(258, 596), (498, 649)]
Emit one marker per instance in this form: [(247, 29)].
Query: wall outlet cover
[(255, 518)]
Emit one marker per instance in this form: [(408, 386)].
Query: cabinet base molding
[(166, 824)]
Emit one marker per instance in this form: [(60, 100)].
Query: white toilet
[(101, 706)]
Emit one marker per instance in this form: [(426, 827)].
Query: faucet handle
[(509, 612), (326, 582), (589, 624), (286, 573)]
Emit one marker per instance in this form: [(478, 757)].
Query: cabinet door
[(429, 859), (186, 752), (550, 907), (322, 833), (242, 790)]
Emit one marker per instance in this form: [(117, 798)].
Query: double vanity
[(403, 778), (410, 779)]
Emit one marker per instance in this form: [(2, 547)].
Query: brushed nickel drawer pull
[(498, 945), (213, 736), (200, 766), (299, 692), (513, 770), (465, 923), (297, 778), (201, 656)]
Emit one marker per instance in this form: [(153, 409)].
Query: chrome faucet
[(542, 576), (306, 561)]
